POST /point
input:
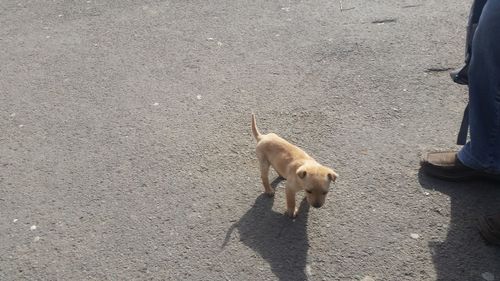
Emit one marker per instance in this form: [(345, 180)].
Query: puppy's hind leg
[(264, 175)]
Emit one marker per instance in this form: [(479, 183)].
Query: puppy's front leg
[(290, 201)]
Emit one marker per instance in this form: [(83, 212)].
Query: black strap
[(462, 134)]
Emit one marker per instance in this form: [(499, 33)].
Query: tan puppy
[(300, 170)]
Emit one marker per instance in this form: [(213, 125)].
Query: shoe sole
[(467, 177)]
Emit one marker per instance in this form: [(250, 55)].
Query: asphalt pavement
[(126, 151)]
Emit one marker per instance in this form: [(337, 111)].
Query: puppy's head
[(316, 182)]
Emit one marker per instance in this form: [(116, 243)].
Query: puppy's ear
[(301, 172), (332, 175)]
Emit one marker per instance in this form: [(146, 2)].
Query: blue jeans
[(482, 152)]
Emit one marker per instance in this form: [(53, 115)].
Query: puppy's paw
[(269, 194), (292, 214)]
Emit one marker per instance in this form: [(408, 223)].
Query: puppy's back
[(277, 147)]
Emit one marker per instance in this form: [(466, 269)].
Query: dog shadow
[(464, 255), (281, 241)]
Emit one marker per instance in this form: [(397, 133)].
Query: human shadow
[(464, 255), (281, 241)]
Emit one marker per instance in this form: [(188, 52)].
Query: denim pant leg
[(483, 150)]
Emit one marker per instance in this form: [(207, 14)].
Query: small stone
[(488, 276), (48, 36), (198, 97), (36, 239), (20, 126), (14, 220), (59, 15), (286, 9), (367, 278), (414, 236), (308, 270), (156, 104), (33, 227), (426, 193), (12, 114), (219, 43), (210, 39)]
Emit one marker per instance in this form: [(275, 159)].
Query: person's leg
[(483, 150), (479, 158)]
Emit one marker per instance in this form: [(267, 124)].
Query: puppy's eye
[(308, 191), (325, 192)]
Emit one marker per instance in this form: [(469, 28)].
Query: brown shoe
[(447, 166), (489, 227)]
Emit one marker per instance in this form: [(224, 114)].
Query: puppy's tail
[(255, 131)]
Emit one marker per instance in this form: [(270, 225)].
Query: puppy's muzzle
[(317, 205)]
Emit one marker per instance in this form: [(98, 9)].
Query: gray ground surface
[(125, 139)]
